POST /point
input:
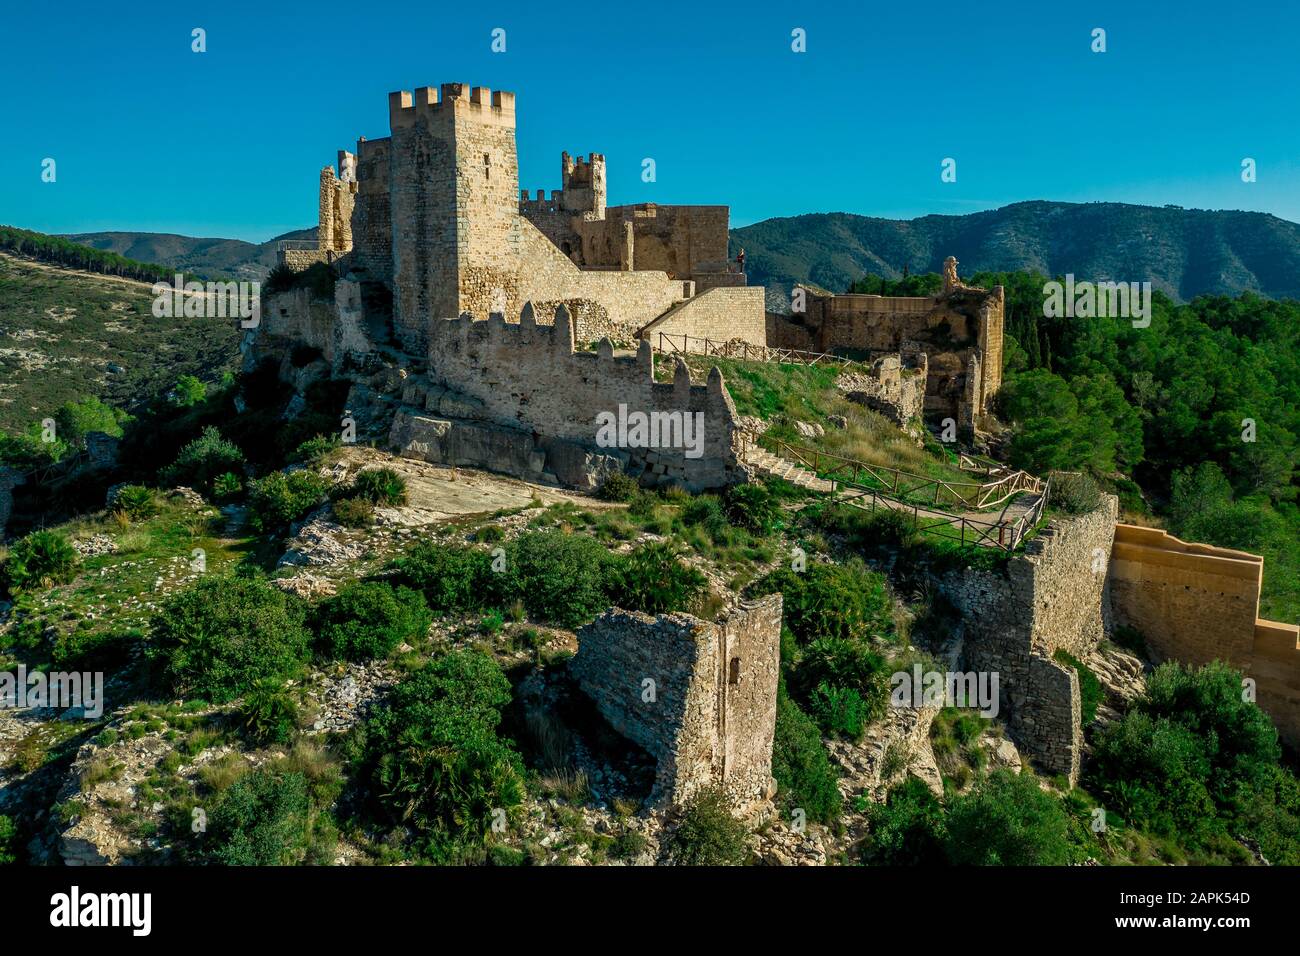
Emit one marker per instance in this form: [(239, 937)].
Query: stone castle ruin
[(434, 212), (959, 331), (477, 325), (700, 697)]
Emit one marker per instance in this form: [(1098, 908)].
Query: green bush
[(706, 511), (437, 762), (752, 507), (831, 600), (136, 502), (1188, 752), (839, 711), (227, 486), (560, 577), (451, 577), (203, 461), (618, 487), (1008, 820), (314, 450), (804, 775), (1090, 690), (379, 486), (189, 391), (1074, 493), (709, 835), (892, 529), (281, 278), (1130, 638), (262, 819), (908, 829), (40, 560), (76, 420), (353, 512), (8, 841), (88, 650), (369, 619), (268, 714), (217, 638), (828, 668), (654, 579), (280, 499), (1154, 773)]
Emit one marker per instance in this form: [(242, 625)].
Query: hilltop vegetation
[(73, 255), (66, 336)]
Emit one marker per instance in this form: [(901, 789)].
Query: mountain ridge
[(1182, 252)]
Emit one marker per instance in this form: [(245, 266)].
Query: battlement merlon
[(479, 102)]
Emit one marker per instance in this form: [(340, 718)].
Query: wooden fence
[(691, 345), (904, 485)]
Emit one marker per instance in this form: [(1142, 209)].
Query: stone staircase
[(774, 466)]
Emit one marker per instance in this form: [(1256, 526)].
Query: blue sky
[(150, 136)]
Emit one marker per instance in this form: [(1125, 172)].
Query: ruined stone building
[(699, 697), (959, 330)]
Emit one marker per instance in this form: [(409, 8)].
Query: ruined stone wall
[(337, 201), (335, 328), (1197, 603), (1050, 598), (700, 697), (372, 221), (301, 259), (961, 331), (719, 314), (785, 333), (894, 385), (529, 376)]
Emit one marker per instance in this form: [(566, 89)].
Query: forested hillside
[(1182, 252)]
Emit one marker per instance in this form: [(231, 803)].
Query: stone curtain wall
[(1275, 665), (1050, 599), (528, 376), (1197, 603), (1193, 602), (699, 697), (719, 314)]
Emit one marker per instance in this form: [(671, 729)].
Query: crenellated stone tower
[(453, 182)]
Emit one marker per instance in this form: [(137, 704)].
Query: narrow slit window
[(733, 672)]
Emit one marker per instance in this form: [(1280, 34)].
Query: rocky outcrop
[(890, 750)]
